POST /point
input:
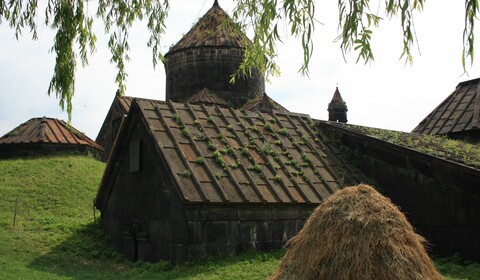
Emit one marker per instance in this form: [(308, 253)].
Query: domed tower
[(206, 58), (337, 108)]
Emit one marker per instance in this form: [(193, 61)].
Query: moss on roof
[(440, 146), (221, 155)]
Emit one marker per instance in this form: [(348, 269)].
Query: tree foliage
[(75, 39), (73, 25)]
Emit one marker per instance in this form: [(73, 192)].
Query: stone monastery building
[(219, 168)]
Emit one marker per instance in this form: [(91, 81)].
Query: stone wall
[(141, 209), (43, 149), (230, 230), (440, 198), (191, 70)]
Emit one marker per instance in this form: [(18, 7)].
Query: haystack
[(357, 234)]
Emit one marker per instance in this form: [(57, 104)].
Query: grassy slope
[(55, 236), (55, 197)]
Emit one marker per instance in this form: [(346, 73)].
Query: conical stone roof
[(337, 98), (47, 130), (44, 136), (215, 29)]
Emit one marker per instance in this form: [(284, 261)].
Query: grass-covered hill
[(55, 236)]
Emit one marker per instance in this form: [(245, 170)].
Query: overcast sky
[(384, 94)]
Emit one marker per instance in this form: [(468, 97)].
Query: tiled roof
[(460, 111), (207, 97), (47, 130), (263, 103), (214, 29), (220, 155)]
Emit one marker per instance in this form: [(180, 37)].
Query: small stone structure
[(45, 136), (337, 108)]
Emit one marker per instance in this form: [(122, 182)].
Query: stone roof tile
[(459, 112), (222, 155)]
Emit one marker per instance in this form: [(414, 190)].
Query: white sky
[(384, 93)]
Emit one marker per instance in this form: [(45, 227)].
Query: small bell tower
[(337, 108)]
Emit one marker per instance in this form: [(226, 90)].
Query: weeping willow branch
[(75, 38)]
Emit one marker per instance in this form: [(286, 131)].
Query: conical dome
[(206, 57), (214, 29)]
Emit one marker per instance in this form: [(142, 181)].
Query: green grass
[(55, 236), (457, 268), (55, 200)]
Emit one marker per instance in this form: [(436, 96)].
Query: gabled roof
[(207, 97), (459, 112), (214, 29), (220, 155), (120, 105), (125, 103), (47, 130), (263, 103)]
